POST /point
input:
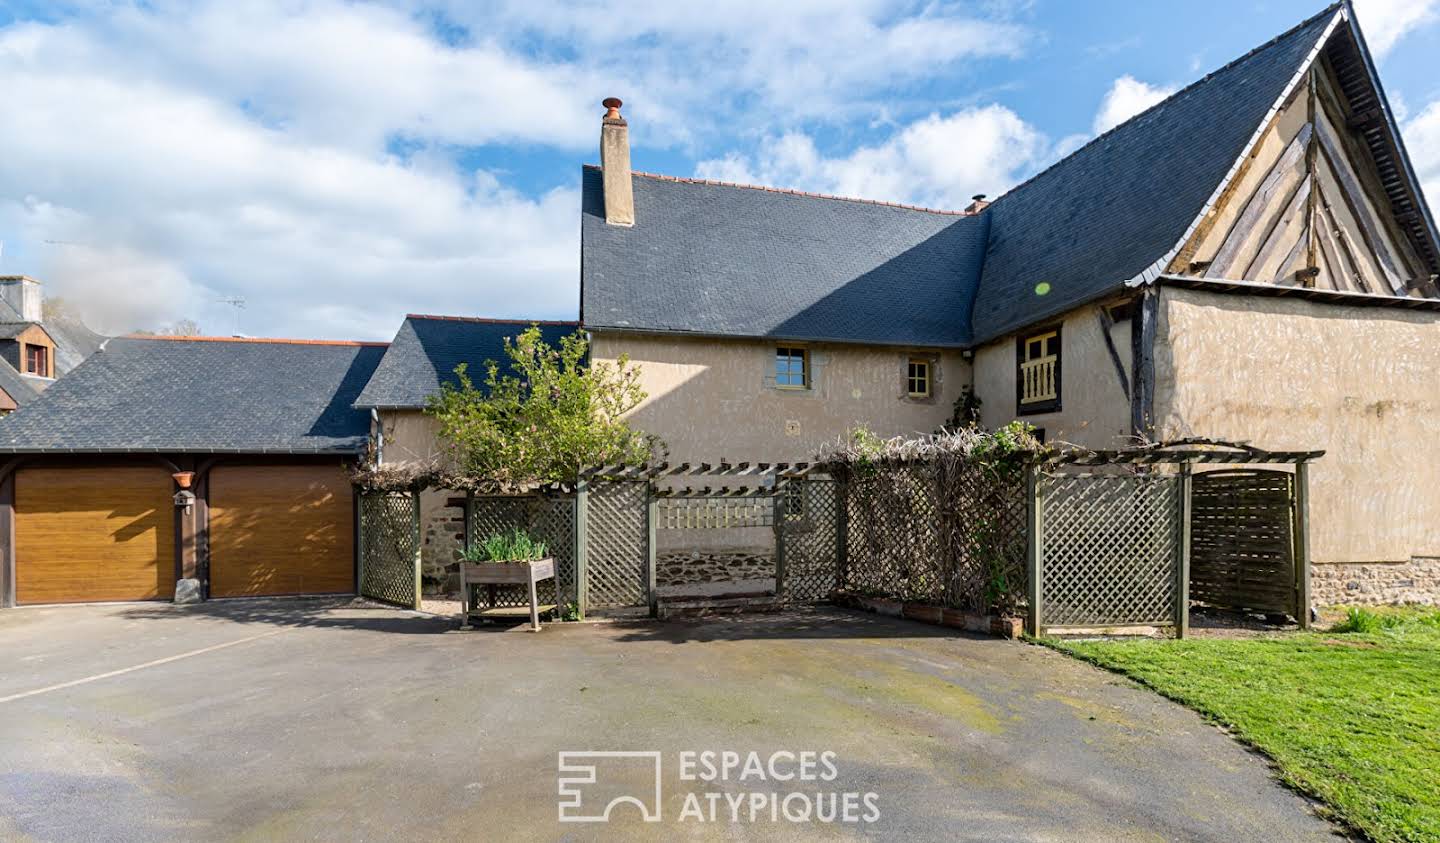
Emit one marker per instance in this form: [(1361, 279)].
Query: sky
[(338, 165)]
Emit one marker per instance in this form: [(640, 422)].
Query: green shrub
[(1362, 620), (513, 546)]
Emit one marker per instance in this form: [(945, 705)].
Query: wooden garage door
[(89, 534), (281, 530)]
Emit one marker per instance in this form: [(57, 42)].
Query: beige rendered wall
[(1362, 383), (715, 399), (1094, 410), (409, 436)]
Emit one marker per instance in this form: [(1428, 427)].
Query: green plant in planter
[(513, 546)]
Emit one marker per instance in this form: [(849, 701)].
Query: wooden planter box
[(504, 573)]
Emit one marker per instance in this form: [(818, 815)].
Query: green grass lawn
[(1351, 716)]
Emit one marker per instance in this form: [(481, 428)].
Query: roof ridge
[(1333, 8), (487, 320), (792, 192), (256, 340)]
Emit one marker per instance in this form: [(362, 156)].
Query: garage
[(93, 534), (186, 468), (278, 530)]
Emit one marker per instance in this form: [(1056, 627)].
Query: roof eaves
[(1391, 123), (1259, 288)]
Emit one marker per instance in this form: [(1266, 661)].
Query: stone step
[(672, 608)]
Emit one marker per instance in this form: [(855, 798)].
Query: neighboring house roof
[(74, 342), (1106, 213), (212, 395), (714, 259), (11, 330), (15, 385), (427, 349)]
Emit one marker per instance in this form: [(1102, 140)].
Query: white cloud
[(163, 199), (1385, 22), (1422, 141), (1126, 98), (183, 152), (937, 161)]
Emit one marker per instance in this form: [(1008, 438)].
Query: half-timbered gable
[(1323, 198)]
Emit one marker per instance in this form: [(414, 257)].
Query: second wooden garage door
[(280, 530)]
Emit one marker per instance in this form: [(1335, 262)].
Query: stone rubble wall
[(442, 538), (691, 567), (1375, 583)]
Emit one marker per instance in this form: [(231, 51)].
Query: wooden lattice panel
[(550, 519), (1111, 547), (617, 544), (949, 534), (390, 542), (811, 540)]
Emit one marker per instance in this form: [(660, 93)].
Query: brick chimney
[(615, 165), (978, 204), (22, 293)]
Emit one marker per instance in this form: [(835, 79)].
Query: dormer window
[(1037, 385), (37, 360)]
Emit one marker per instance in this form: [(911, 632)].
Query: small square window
[(792, 368), (917, 378)]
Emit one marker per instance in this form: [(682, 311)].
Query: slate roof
[(15, 384), (74, 341), (203, 395), (11, 330), (1104, 214), (714, 259), (427, 349)]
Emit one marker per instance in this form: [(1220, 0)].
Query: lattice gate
[(549, 518), (617, 544), (1110, 549), (811, 527), (390, 547)]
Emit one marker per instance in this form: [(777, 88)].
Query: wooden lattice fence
[(1242, 540), (549, 518), (618, 522), (389, 533), (944, 532), (1112, 548)]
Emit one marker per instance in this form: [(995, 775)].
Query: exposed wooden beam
[(1288, 171), (1360, 208)]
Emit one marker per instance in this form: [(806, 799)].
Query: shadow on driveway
[(296, 612)]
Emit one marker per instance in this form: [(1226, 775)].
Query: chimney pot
[(615, 165), (979, 204)]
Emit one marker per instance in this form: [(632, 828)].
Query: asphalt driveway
[(307, 720)]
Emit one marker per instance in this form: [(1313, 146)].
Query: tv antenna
[(237, 302)]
